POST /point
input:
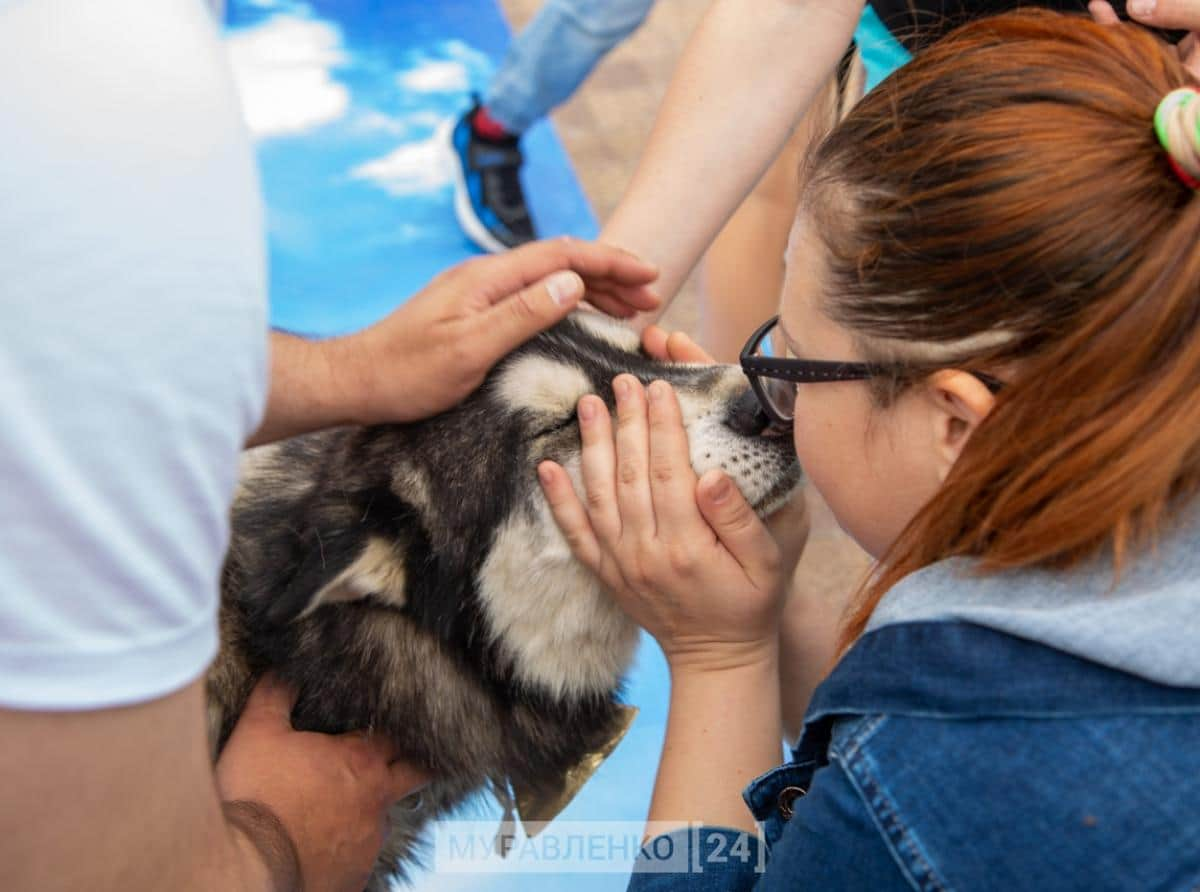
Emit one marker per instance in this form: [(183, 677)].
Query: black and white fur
[(410, 579)]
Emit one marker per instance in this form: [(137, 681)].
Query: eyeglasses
[(773, 378)]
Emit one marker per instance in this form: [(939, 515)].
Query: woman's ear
[(960, 402)]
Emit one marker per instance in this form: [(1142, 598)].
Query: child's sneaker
[(488, 199)]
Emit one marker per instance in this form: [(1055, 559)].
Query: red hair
[(1002, 203)]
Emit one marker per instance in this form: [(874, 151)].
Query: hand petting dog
[(790, 525), (687, 559), (436, 348)]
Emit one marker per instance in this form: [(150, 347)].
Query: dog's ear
[(343, 566)]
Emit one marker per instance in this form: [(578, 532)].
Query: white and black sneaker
[(488, 198)]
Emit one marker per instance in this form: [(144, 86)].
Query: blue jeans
[(556, 53)]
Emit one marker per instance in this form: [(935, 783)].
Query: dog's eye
[(554, 427)]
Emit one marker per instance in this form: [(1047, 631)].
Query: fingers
[(622, 301), (610, 304), (672, 480), (510, 322), (673, 347), (633, 460), (1181, 14), (569, 514), (597, 463), (596, 263), (654, 342), (270, 702), (682, 348), (737, 526), (1103, 12), (1189, 53)]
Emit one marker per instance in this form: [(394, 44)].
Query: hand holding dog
[(331, 793), (790, 525), (688, 560)]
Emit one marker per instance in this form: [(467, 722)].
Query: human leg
[(555, 53), (546, 63)]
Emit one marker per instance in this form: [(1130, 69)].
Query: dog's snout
[(746, 416)]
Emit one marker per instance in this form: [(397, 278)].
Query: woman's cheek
[(807, 442), (834, 467)]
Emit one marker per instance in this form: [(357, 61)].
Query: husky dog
[(410, 579)]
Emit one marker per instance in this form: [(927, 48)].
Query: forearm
[(312, 387), (747, 75), (119, 799), (722, 732)]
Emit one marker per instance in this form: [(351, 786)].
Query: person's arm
[(808, 629), (124, 800), (691, 563), (436, 348), (747, 75)]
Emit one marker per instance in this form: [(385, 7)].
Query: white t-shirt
[(132, 344)]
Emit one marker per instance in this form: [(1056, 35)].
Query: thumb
[(1183, 14), (271, 702), (510, 322), (736, 525)]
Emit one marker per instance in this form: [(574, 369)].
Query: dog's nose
[(746, 415)]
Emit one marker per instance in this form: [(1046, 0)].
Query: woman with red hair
[(988, 351)]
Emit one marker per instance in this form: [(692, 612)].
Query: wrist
[(708, 659), (723, 725), (346, 366)]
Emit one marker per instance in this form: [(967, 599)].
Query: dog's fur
[(409, 579)]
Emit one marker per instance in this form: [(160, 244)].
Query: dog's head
[(445, 522)]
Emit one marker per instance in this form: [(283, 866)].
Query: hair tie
[(1177, 123)]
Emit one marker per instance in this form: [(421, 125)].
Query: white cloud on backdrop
[(436, 77), (283, 69), (433, 84), (449, 66), (413, 168), (374, 121)]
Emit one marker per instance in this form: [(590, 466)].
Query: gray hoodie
[(1147, 622)]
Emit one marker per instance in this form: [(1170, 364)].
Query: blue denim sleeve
[(830, 842)]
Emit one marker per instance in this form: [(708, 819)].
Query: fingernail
[(544, 473), (587, 410), (720, 490), (657, 391), (1142, 8), (621, 386), (564, 287)]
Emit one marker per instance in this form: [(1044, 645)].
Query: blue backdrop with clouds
[(346, 100)]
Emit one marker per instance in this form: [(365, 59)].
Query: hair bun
[(1177, 123)]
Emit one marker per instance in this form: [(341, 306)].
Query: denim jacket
[(949, 755)]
